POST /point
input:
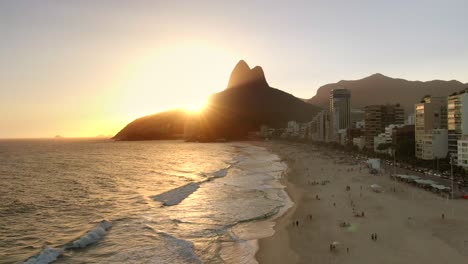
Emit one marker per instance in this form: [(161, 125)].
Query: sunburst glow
[(178, 76), (196, 107)]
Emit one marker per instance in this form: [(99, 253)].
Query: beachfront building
[(320, 127), (293, 129), (304, 130), (411, 119), (343, 136), (379, 140), (360, 124), (403, 135), (430, 123), (434, 145), (340, 110), (457, 119), (462, 152), (385, 138), (360, 142), (377, 117)]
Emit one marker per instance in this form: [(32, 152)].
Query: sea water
[(100, 201)]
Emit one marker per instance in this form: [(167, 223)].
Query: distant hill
[(165, 125), (380, 89), (246, 104)]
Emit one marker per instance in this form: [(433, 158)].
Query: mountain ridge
[(381, 89)]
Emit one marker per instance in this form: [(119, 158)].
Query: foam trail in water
[(177, 195), (221, 173), (48, 254)]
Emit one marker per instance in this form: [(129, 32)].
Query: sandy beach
[(407, 220)]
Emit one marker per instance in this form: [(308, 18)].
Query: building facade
[(434, 145), (462, 152), (430, 120), (360, 142), (320, 127), (377, 117), (340, 109), (457, 119)]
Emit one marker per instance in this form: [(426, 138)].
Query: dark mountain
[(380, 89), (242, 75), (246, 104), (165, 125)]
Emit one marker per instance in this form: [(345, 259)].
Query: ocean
[(100, 201)]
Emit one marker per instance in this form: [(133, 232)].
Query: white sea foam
[(183, 249), (92, 236), (47, 255), (177, 195), (261, 172)]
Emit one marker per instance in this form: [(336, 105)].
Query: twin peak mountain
[(248, 102), (243, 76)]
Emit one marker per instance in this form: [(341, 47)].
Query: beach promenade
[(334, 202)]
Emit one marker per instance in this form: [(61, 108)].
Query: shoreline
[(280, 235), (280, 222), (408, 221)]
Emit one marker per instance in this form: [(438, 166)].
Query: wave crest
[(92, 236), (49, 254)]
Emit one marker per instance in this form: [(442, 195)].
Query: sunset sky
[(84, 68)]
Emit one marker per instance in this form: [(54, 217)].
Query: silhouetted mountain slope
[(246, 104), (380, 89), (165, 125)]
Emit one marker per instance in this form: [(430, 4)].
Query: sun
[(196, 107)]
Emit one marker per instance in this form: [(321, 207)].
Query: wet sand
[(408, 221)]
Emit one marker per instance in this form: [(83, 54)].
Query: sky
[(87, 68)]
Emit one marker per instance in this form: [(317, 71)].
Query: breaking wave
[(92, 236), (49, 254)]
